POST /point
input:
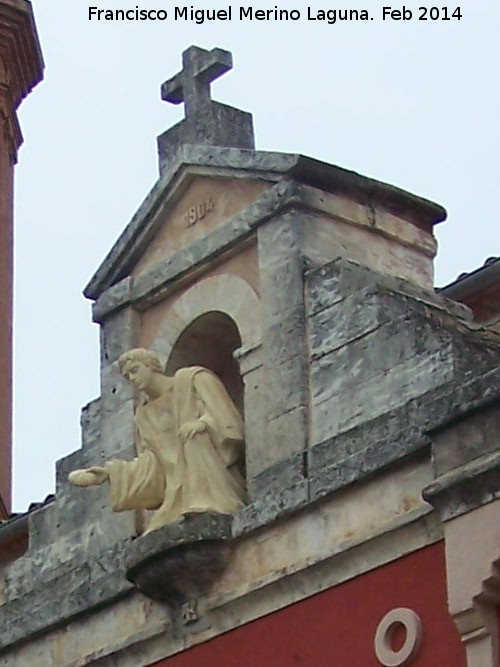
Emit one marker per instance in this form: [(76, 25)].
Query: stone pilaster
[(250, 362), (284, 357)]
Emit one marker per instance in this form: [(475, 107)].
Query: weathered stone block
[(114, 298), (118, 334), (69, 593), (221, 125), (277, 476), (286, 386), (279, 240), (352, 318), (118, 428), (90, 422), (285, 337), (465, 488), (359, 465), (341, 277), (384, 348), (116, 390), (392, 426), (281, 289), (250, 362), (451, 402), (271, 507), (287, 434), (381, 393), (335, 281)]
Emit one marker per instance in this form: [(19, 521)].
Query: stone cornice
[(20, 48), (21, 64), (465, 488)]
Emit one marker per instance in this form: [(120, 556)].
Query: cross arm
[(198, 64), (172, 90)]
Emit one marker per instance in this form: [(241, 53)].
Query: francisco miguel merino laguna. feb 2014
[(248, 13)]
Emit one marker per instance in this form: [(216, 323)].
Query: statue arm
[(190, 429), (221, 417), (137, 484)]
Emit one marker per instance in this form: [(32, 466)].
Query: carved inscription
[(196, 213)]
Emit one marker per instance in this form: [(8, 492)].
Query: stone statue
[(189, 438)]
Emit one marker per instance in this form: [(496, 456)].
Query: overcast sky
[(414, 103)]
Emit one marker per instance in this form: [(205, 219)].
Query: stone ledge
[(466, 488), (441, 408), (341, 277), (192, 528), (114, 298), (271, 507), (180, 561), (363, 464), (323, 480)]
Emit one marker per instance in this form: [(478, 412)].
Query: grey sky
[(413, 103)]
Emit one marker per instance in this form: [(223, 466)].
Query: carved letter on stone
[(189, 446)]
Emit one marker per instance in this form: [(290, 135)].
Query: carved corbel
[(178, 563)]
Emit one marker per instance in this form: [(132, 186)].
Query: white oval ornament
[(412, 624)]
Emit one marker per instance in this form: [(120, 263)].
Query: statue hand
[(88, 477), (191, 429)]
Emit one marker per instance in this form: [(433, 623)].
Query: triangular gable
[(225, 165), (206, 202)]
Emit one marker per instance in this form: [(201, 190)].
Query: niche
[(210, 341)]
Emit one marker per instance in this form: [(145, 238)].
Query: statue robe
[(201, 475)]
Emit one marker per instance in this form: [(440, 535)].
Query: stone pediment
[(202, 188), (235, 178), (194, 208)]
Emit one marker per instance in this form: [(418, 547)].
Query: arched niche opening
[(210, 341)]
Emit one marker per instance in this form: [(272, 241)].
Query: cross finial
[(192, 84), (207, 122)]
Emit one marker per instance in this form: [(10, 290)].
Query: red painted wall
[(336, 628)]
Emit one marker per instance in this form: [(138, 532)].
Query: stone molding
[(21, 65), (225, 293), (466, 488)]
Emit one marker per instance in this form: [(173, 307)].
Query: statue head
[(138, 366)]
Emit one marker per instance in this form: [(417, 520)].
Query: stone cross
[(192, 84)]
